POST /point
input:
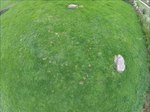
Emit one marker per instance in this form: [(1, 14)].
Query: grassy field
[(55, 59), (146, 30), (7, 3)]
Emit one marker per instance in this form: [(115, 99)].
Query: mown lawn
[(7, 3), (55, 59)]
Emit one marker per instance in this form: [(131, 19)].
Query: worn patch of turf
[(54, 59)]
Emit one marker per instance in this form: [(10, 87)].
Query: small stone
[(72, 6), (120, 63)]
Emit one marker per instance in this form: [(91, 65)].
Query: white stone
[(72, 6), (120, 63)]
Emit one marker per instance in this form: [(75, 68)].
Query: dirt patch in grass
[(146, 105)]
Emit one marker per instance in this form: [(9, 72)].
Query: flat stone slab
[(120, 63), (72, 6)]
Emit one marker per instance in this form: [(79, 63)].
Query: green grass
[(146, 30), (7, 3), (47, 51)]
